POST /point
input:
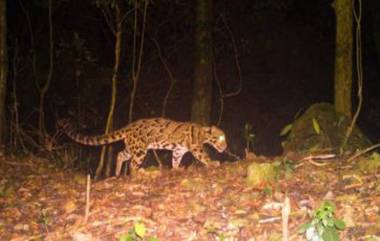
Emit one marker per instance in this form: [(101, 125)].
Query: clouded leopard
[(155, 133)]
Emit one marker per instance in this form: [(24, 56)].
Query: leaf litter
[(41, 202)]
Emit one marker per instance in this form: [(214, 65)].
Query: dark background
[(285, 51)]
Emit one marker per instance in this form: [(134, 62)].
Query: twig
[(87, 210), (317, 163), (237, 64), (171, 77), (220, 94), (318, 157), (354, 185), (157, 159), (311, 159), (269, 220), (285, 219), (106, 15), (363, 152), (28, 138)]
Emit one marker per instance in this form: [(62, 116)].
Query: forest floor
[(41, 202)]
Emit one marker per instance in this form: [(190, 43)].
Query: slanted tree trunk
[(115, 74), (202, 92), (3, 66), (343, 57)]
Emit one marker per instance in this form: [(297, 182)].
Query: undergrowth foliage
[(324, 226), (137, 233)]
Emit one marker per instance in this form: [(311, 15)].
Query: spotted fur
[(155, 133)]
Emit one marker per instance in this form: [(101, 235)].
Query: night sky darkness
[(285, 50)]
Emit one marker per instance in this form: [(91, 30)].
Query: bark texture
[(3, 66), (202, 92), (343, 57)]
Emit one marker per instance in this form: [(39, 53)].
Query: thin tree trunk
[(137, 53), (45, 87), (202, 92), (343, 57), (3, 67), (119, 34)]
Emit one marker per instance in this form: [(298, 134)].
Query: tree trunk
[(137, 53), (43, 89), (3, 66), (343, 57), (202, 92), (109, 124)]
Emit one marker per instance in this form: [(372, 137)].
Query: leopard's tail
[(66, 126)]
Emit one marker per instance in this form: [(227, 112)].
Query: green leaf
[(330, 222), (286, 129), (267, 190), (316, 126), (152, 239), (139, 229), (328, 206), (339, 224), (126, 237), (330, 234), (325, 222), (304, 227), (221, 237), (320, 229)]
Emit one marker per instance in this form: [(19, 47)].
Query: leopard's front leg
[(203, 157)]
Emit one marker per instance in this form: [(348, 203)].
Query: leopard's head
[(215, 137)]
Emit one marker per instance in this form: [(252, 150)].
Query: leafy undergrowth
[(41, 202)]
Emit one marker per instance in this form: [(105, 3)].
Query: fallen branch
[(363, 152), (87, 210), (318, 157), (311, 159)]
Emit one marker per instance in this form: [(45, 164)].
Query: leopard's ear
[(214, 128), (206, 129)]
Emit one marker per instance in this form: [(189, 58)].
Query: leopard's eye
[(221, 138)]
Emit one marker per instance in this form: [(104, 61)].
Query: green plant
[(267, 191), (286, 129), (137, 233), (44, 219), (316, 126), (324, 225), (288, 167), (248, 136)]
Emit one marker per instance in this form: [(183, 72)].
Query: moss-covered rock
[(261, 174), (321, 128), (369, 164)]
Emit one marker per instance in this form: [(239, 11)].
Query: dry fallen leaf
[(70, 206)]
